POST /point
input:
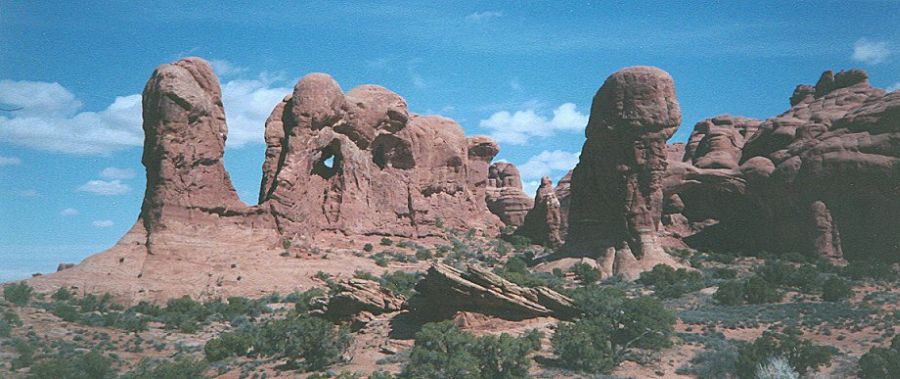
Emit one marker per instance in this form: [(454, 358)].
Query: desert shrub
[(757, 290), (611, 325), (92, 303), (836, 289), (880, 362), (585, 345), (805, 278), (717, 361), (182, 367), (228, 344), (519, 242), (868, 269), (303, 300), (366, 275), (724, 273), (721, 257), (183, 314), (386, 241), (318, 342), (802, 354), (775, 272), (62, 294), (91, 365), (442, 350), (368, 247), (400, 282), (506, 357), (585, 273), (8, 320), (26, 354), (19, 293), (515, 269), (423, 254), (775, 368), (730, 293), (381, 374), (670, 283), (65, 311)]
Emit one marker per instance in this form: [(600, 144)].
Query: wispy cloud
[(225, 68), (870, 52), (50, 119), (9, 161), (518, 127), (105, 188), (894, 87), (68, 212), (103, 223), (29, 193), (117, 173), (484, 16)]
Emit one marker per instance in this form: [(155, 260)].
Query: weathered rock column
[(617, 186)]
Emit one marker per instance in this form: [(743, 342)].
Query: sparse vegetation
[(671, 283), (18, 294), (881, 362), (801, 354)]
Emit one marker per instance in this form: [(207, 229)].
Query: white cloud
[(548, 163), (117, 173), (102, 223), (530, 186), (484, 16), (870, 52), (9, 161), (68, 212), (516, 128), (225, 68), (894, 87), (49, 120), (248, 103), (105, 188)]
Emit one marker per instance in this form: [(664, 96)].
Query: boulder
[(445, 290), (357, 296)]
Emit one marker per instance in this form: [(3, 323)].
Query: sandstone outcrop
[(357, 296), (810, 180), (348, 164), (505, 197), (445, 290), (617, 186), (544, 223), (361, 163)]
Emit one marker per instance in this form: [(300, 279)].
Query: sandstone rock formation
[(617, 186), (360, 163), (505, 197), (544, 223), (810, 180), (353, 164), (446, 290)]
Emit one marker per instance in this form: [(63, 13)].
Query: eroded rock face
[(360, 163), (717, 142), (543, 224), (617, 186), (355, 296), (505, 197), (446, 290)]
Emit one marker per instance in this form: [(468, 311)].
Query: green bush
[(585, 273), (228, 344), (18, 294), (91, 365), (400, 282), (802, 354), (611, 325), (62, 294), (304, 300), (8, 320), (836, 289), (669, 283), (368, 247), (515, 269), (730, 293), (880, 362), (386, 241), (182, 367), (26, 354), (868, 269), (66, 312), (442, 350), (758, 291), (724, 273), (318, 342)]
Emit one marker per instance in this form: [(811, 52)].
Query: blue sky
[(71, 181)]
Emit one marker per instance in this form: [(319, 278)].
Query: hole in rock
[(329, 162)]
